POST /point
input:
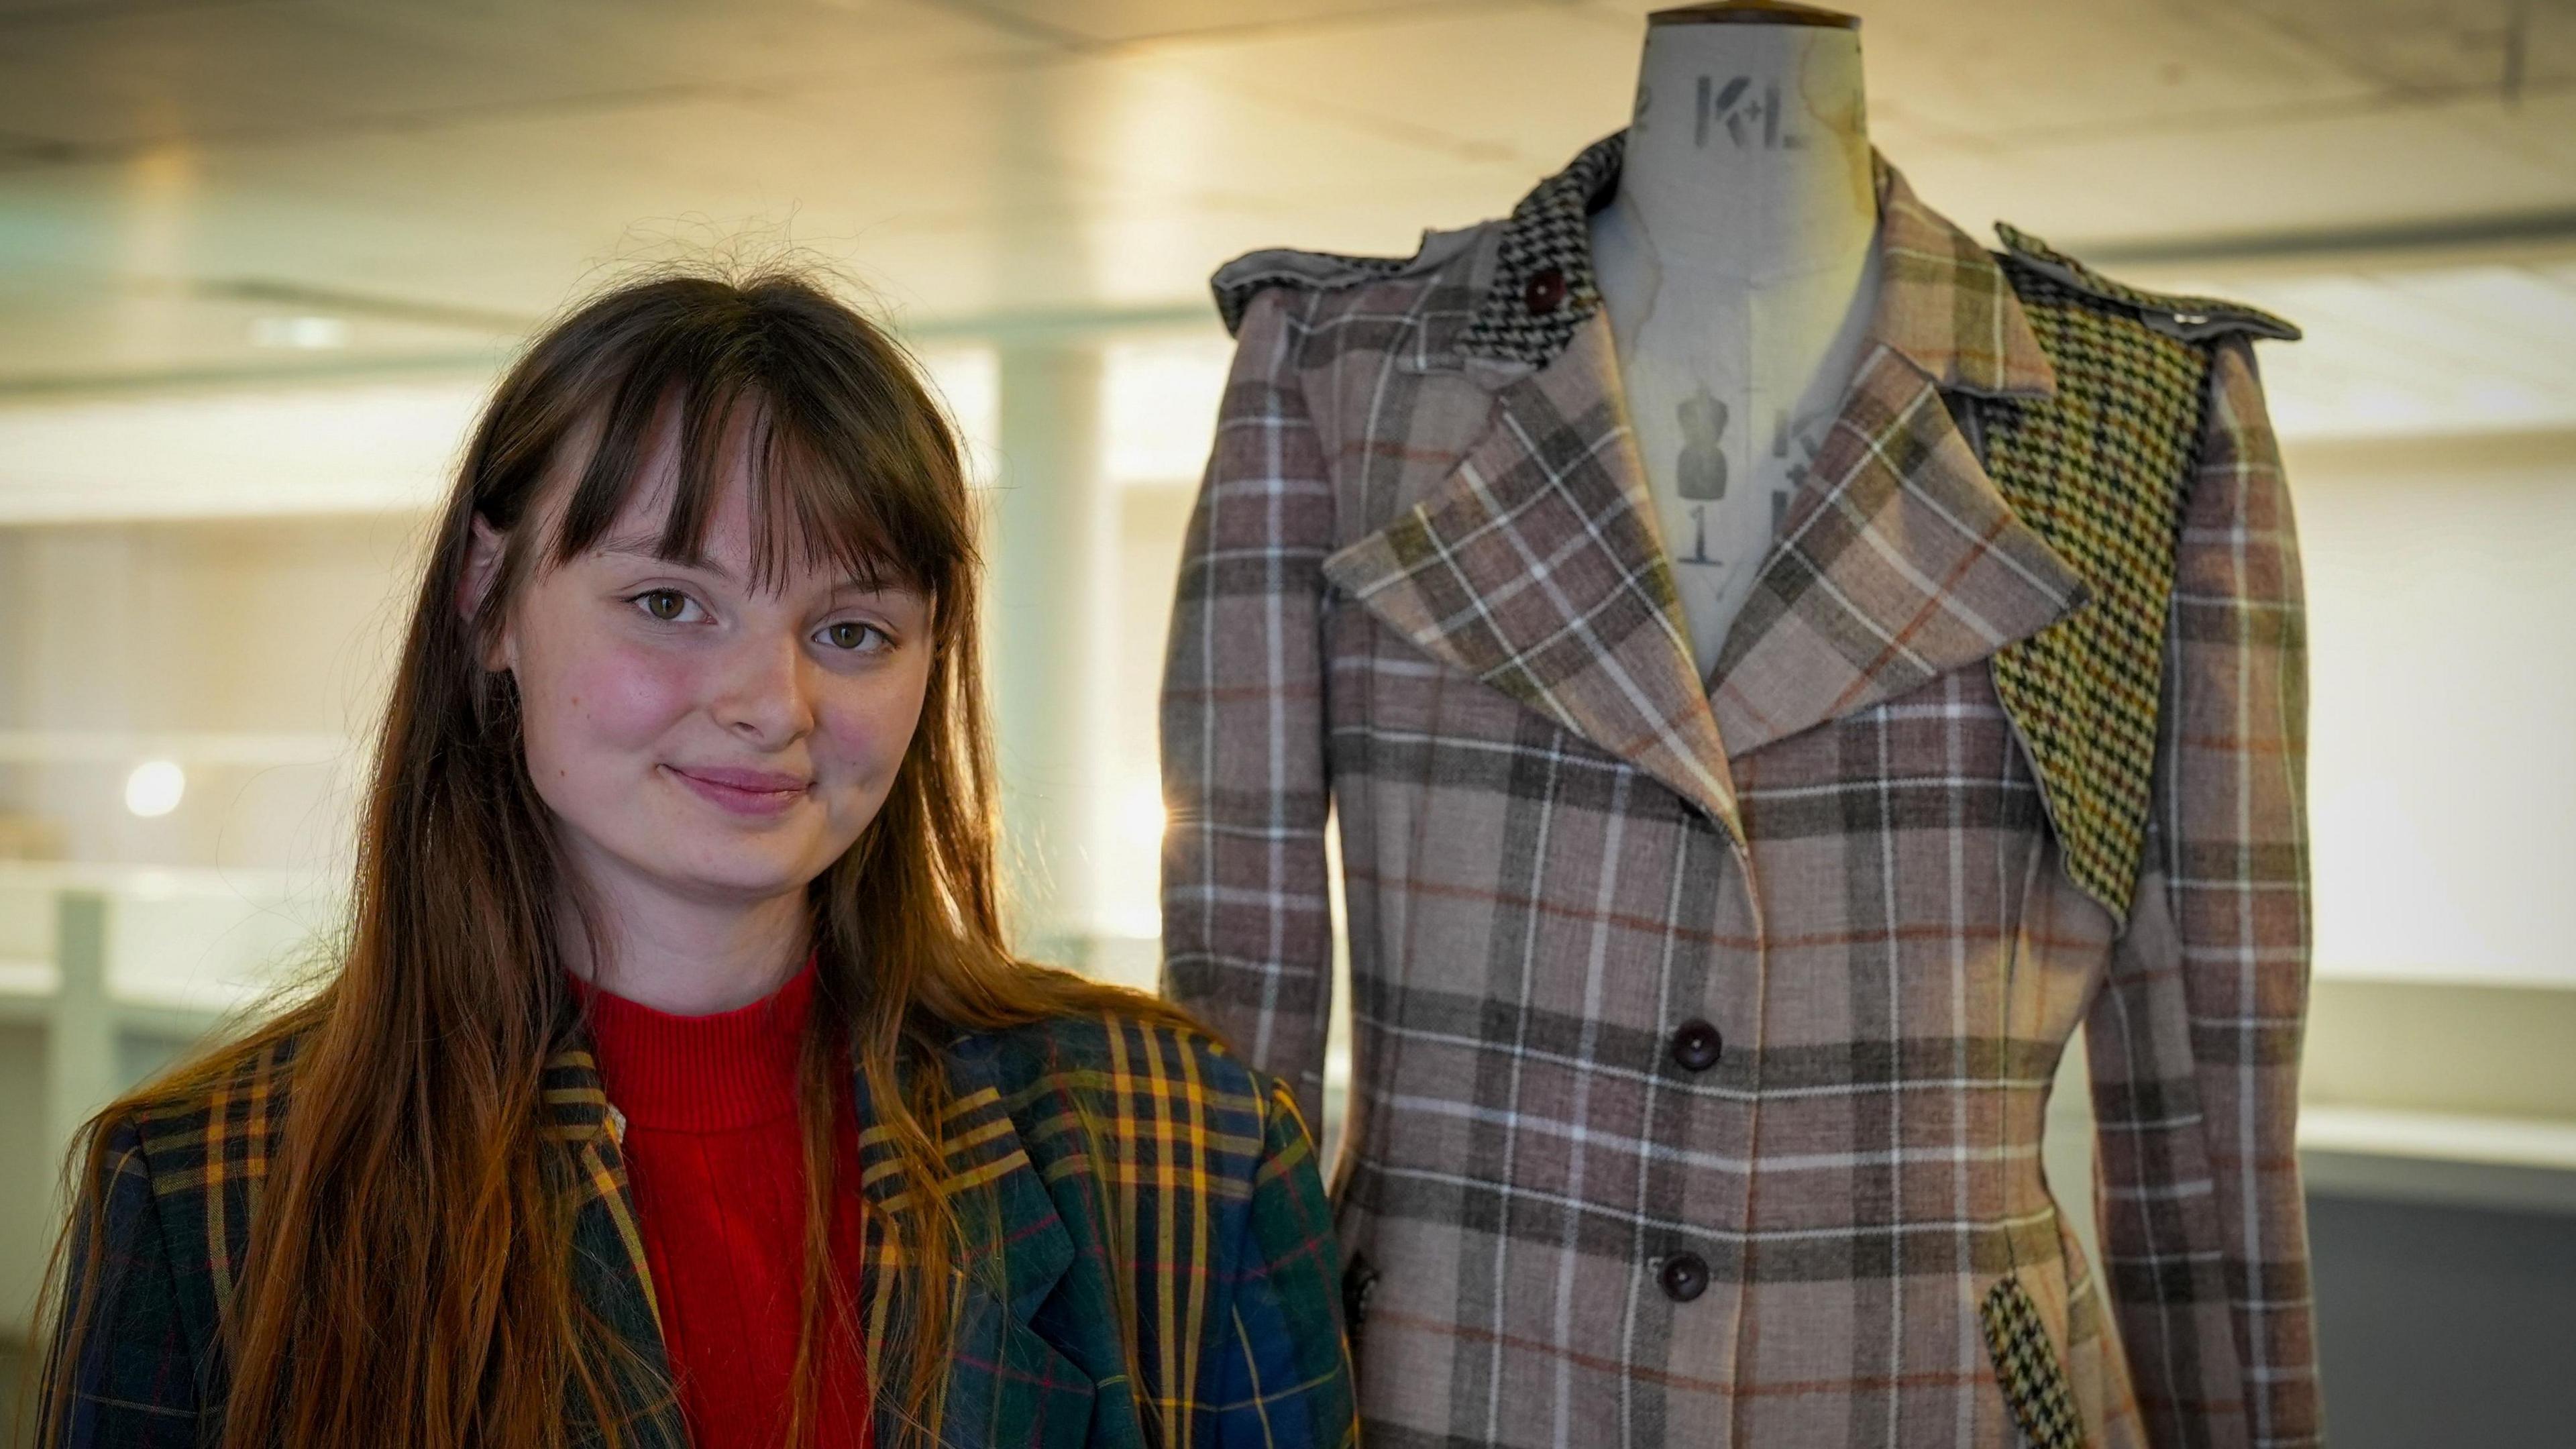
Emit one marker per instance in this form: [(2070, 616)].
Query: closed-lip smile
[(743, 792)]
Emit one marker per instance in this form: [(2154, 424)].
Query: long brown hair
[(413, 1184)]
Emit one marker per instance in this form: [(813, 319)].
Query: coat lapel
[(1535, 567), (1899, 559)]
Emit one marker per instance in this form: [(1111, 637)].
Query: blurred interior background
[(260, 259)]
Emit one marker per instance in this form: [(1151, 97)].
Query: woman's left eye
[(852, 635)]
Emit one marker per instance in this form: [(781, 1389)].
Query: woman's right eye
[(667, 605)]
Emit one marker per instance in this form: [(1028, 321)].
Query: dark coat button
[(1545, 291), (1697, 1046), (1685, 1277)]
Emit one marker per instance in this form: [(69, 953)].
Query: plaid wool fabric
[(1704, 1028), (1108, 1172)]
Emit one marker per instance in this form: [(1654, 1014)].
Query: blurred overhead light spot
[(154, 788), (306, 333)]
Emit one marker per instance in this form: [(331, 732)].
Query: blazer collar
[(1537, 567), (1944, 304), (1007, 1381)]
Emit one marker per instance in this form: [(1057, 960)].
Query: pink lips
[(743, 792)]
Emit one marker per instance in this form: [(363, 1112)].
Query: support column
[(81, 1071), (1051, 547)]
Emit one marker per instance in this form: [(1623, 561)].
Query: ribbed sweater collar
[(715, 1073)]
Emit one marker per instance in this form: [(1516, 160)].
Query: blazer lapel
[(1898, 561), (609, 1271), (1535, 567), (1007, 1384)]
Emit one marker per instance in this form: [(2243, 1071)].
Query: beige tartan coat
[(1704, 1029)]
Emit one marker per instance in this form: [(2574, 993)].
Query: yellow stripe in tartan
[(217, 1170), (606, 1183), (1200, 1249)]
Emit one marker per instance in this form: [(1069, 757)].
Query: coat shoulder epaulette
[(1248, 276), (2189, 318)]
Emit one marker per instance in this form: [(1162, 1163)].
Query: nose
[(765, 697)]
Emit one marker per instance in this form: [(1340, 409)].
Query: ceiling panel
[(180, 183), (2331, 170), (1128, 21), (2433, 45), (1527, 86), (2036, 70), (289, 68)]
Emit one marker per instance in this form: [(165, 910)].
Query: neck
[(1749, 155), (686, 956)]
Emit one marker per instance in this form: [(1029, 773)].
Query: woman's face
[(696, 736)]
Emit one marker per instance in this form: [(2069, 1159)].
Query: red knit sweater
[(716, 1161)]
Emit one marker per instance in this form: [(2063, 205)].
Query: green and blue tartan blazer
[(1094, 1163)]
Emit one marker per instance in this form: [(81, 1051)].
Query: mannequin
[(1703, 1027), (1739, 268)]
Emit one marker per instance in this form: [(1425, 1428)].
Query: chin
[(747, 886), (737, 874)]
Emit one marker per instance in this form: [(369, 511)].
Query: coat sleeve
[(1246, 924), (123, 1371), (1278, 1359), (2195, 1040)]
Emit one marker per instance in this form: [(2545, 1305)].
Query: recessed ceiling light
[(309, 333)]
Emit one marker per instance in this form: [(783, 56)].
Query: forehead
[(738, 497)]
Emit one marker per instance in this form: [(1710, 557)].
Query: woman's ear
[(482, 568)]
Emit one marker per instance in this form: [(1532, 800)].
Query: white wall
[(2442, 633), (242, 648)]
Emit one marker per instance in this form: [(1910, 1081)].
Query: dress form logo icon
[(1747, 119), (1701, 470)]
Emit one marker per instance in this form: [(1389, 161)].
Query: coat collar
[(1536, 564), (1944, 304), (1008, 1382)]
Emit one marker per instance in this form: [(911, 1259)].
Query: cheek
[(867, 728), (603, 699)]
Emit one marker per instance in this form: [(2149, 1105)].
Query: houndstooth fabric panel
[(2034, 1383), (2099, 470), (2189, 318), (1549, 232)]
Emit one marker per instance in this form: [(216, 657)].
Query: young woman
[(678, 1085)]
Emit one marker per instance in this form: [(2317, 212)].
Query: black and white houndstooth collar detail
[(1543, 286)]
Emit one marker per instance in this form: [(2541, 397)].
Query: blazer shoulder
[(1238, 282), (2176, 314), (190, 1162), (224, 1128), (1131, 1051)]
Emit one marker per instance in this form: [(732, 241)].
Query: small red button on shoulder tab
[(1546, 290)]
